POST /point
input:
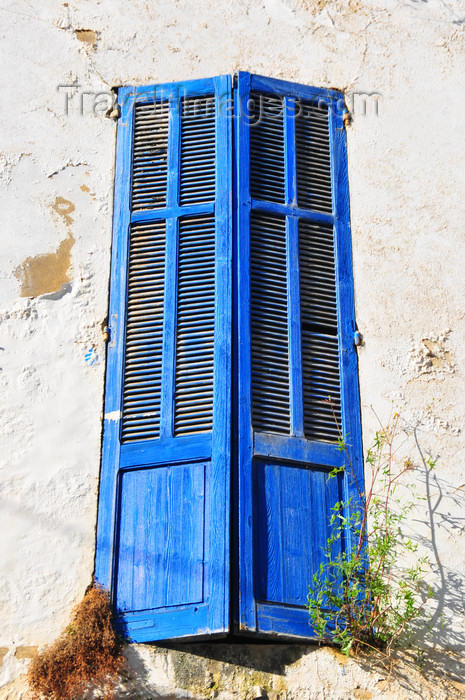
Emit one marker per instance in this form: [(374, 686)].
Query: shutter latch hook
[(358, 339)]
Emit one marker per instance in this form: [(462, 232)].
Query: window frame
[(233, 319)]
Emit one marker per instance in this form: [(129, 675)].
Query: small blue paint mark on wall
[(91, 356)]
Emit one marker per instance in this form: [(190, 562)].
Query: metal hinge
[(114, 112)]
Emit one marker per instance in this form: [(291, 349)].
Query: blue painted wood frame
[(350, 398), (268, 466), (245, 607), (199, 464), (263, 462)]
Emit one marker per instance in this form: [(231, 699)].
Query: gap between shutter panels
[(193, 397), (144, 332), (269, 324)]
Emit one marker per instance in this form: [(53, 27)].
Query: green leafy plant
[(365, 596)]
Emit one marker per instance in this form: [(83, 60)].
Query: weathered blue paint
[(179, 449), (285, 495), (351, 428), (186, 210), (298, 450), (171, 268), (295, 90), (295, 349), (293, 287), (246, 617), (163, 540), (289, 151), (169, 326), (163, 527), (222, 404), (161, 564), (117, 317), (292, 210), (290, 519)]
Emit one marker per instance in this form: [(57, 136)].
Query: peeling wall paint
[(49, 272), (56, 183), (431, 356), (88, 36)]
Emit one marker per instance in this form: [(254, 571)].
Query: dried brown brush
[(87, 655)]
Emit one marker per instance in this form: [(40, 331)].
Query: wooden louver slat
[(267, 148), (320, 349), (193, 399), (144, 332), (313, 158), (197, 170), (150, 156), (269, 324)]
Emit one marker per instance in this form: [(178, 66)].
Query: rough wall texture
[(56, 174)]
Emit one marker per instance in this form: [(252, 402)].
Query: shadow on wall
[(282, 672), (198, 670), (441, 631), (260, 670), (442, 499), (260, 656)]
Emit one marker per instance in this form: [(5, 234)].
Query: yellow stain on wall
[(88, 36), (46, 273)]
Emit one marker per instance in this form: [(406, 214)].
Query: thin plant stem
[(368, 606)]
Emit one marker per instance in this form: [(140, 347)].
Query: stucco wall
[(56, 174)]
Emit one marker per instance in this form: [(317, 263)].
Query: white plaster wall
[(406, 181)]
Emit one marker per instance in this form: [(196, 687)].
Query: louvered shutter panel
[(297, 366), (163, 526)]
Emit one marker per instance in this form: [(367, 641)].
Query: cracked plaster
[(406, 187)]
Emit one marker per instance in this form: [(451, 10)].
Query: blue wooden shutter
[(295, 348), (163, 526)]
